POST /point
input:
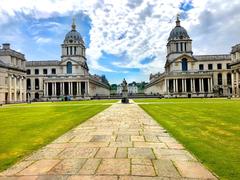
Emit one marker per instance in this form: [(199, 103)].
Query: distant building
[(132, 88), (68, 78), (188, 75), (12, 76)]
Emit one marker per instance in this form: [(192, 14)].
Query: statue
[(124, 92)]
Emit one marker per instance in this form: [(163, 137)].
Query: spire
[(73, 24), (178, 20)]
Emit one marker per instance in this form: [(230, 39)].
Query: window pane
[(69, 68)]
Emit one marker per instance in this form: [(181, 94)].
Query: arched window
[(229, 79), (36, 83), (69, 68), (28, 84), (219, 79), (184, 64)]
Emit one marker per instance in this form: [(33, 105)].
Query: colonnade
[(16, 88), (193, 85), (72, 88)]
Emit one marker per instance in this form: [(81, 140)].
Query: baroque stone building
[(68, 78), (12, 75), (188, 75), (235, 65)]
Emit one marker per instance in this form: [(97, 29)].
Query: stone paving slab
[(122, 142)]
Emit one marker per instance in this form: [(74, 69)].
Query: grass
[(209, 128), (27, 127)]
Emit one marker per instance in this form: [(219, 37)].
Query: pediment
[(184, 56), (64, 62)]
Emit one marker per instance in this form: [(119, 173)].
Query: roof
[(7, 66), (236, 48), (212, 57), (178, 32), (43, 63), (2, 64)]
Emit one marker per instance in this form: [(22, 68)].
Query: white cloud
[(140, 28), (42, 40)]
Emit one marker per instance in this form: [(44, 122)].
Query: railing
[(176, 73)]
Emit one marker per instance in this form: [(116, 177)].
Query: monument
[(124, 92)]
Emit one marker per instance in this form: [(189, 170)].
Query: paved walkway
[(122, 142)]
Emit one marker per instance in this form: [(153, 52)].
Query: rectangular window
[(28, 71), (201, 67), (75, 50), (219, 66), (210, 66), (181, 46), (228, 66), (36, 71), (45, 71), (53, 71), (185, 46)]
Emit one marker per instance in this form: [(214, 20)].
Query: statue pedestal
[(125, 97)]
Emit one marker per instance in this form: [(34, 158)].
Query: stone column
[(165, 83), (209, 85), (212, 85), (46, 89), (237, 84), (53, 88), (86, 88), (69, 88), (77, 88), (15, 89), (20, 88), (182, 85), (176, 85), (193, 85), (10, 88), (56, 88), (24, 89), (71, 85), (63, 90), (200, 85), (233, 84), (80, 92), (185, 85)]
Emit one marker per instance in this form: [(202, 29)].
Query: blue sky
[(124, 39)]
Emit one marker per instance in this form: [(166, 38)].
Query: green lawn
[(209, 128), (27, 127)]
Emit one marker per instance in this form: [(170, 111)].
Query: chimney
[(6, 46)]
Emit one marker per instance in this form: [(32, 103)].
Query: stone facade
[(65, 79), (12, 76), (235, 65), (188, 75)]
